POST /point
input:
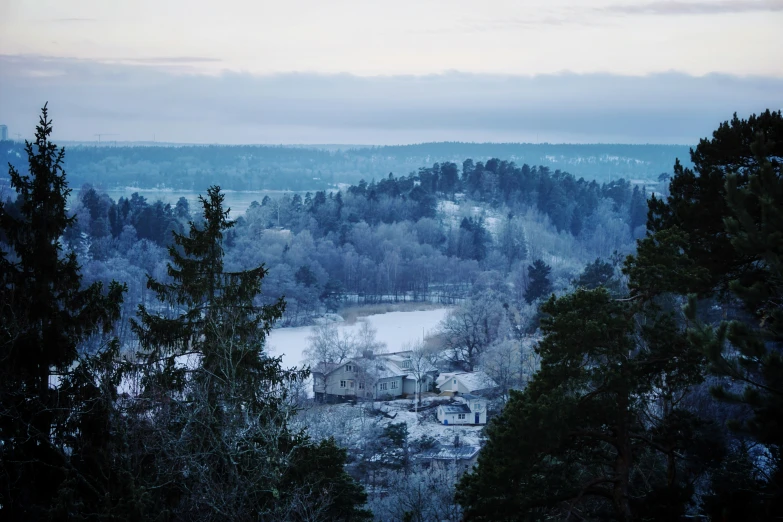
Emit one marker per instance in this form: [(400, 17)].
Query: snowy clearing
[(397, 330)]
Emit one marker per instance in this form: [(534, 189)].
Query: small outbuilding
[(472, 411)]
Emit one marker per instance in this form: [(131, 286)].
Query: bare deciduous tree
[(327, 344), (423, 359), (420, 496), (471, 328)]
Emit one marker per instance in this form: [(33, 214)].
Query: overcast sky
[(380, 71)]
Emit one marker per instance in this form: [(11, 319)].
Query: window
[(394, 385), (351, 384), (455, 381), (406, 363), (461, 416), (348, 367), (342, 384), (382, 386), (361, 385)]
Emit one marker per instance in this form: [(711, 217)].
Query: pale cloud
[(69, 20), (625, 37), (162, 60), (137, 102), (664, 8)]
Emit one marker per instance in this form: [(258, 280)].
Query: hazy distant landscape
[(187, 167), (410, 261)]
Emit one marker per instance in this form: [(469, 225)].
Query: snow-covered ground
[(425, 423), (349, 424), (452, 213), (397, 329)]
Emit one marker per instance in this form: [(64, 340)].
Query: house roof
[(456, 408), (376, 367), (448, 453), (383, 369), (443, 377), (382, 366), (471, 380)]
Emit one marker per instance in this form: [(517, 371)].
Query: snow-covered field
[(397, 329)]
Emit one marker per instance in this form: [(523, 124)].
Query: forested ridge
[(636, 342), (256, 167), (427, 236)]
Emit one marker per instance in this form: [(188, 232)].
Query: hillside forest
[(633, 328)]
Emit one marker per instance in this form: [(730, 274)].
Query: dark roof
[(456, 408), (448, 453)]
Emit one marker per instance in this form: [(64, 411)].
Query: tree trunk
[(623, 463)]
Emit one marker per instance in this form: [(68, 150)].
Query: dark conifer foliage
[(728, 214), (598, 273), (750, 351), (45, 314), (614, 425), (598, 431), (539, 284), (203, 434), (697, 203)]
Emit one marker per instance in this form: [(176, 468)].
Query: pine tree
[(697, 202), (598, 273), (598, 431), (751, 351), (45, 314), (539, 285)]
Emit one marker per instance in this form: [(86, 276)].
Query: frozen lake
[(396, 329)]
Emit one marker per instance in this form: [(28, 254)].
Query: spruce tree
[(227, 447), (45, 314)]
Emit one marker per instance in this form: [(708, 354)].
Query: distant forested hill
[(255, 167)]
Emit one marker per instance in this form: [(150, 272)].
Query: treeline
[(251, 167), (193, 426), (661, 399)]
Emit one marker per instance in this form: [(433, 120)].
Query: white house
[(464, 382), (472, 411)]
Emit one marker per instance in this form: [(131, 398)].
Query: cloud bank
[(675, 7), (165, 99)]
